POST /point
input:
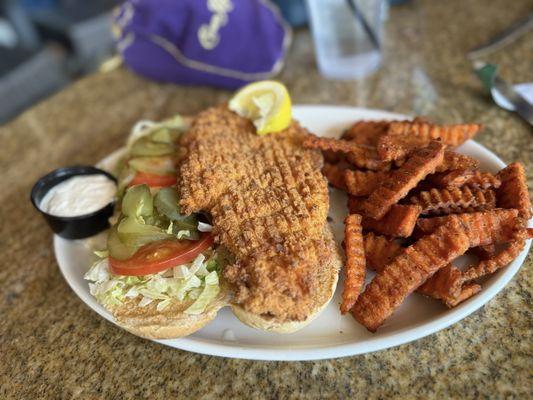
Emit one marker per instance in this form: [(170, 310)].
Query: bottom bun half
[(169, 323)]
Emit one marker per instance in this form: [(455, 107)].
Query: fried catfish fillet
[(269, 201), (354, 270), (421, 163), (409, 270)]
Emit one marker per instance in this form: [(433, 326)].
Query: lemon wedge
[(266, 103)]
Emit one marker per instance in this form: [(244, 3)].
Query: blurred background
[(47, 44)]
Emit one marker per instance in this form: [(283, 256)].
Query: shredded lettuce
[(209, 292), (197, 280)]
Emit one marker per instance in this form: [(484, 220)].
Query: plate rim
[(393, 339)]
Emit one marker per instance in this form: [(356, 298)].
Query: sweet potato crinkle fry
[(337, 145), (513, 192), (366, 132), (447, 285), (368, 158), (400, 221), (334, 175), (394, 147), (501, 259), (405, 170), (362, 156), (403, 137), (453, 160), (453, 200), (380, 251), (454, 178), (483, 228), (362, 183), (420, 164), (355, 268), (460, 177), (407, 272)]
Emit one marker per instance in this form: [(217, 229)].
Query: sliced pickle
[(117, 249), (166, 203), (153, 165), (146, 147), (138, 202), (161, 135), (134, 233)]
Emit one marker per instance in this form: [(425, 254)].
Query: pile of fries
[(415, 206)]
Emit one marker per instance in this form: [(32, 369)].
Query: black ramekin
[(72, 227)]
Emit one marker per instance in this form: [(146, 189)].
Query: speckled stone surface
[(53, 346)]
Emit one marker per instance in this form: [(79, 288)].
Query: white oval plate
[(330, 335)]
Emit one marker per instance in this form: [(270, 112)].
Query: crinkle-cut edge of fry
[(421, 163), (355, 268), (455, 199), (513, 177), (451, 135)]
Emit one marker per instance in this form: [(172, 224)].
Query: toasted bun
[(326, 292), (169, 323)]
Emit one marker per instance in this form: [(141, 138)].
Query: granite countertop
[(53, 346)]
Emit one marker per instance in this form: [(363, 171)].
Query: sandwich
[(242, 224), (159, 273)]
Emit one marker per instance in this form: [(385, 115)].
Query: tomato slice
[(158, 256), (153, 180)]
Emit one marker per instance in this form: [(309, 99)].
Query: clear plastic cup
[(347, 36)]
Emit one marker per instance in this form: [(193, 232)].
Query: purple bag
[(216, 42)]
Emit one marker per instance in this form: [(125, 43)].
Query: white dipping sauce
[(79, 195)]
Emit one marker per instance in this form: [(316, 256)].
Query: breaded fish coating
[(269, 201)]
